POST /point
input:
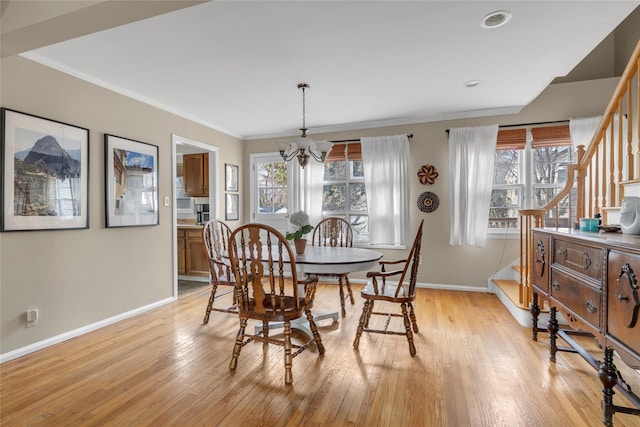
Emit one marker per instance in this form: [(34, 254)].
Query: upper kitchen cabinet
[(196, 175)]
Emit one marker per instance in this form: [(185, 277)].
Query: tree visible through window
[(528, 175), (272, 187), (344, 194)]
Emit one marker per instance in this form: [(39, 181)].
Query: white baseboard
[(437, 286), (5, 357)]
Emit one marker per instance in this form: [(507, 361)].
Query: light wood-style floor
[(475, 366)]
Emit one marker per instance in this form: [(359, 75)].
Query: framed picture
[(231, 177), (45, 173), (231, 207), (131, 182)]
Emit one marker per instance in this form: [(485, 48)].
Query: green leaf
[(298, 234)]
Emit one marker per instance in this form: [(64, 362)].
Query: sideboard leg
[(534, 309), (608, 375), (553, 328)]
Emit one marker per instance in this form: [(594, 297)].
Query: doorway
[(190, 211)]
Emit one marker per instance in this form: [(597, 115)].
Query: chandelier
[(303, 148)]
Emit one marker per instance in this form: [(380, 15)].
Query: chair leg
[(238, 345), (288, 359), (369, 312), (314, 331), (214, 287), (407, 327), (343, 311), (363, 317), (346, 279), (265, 333), (412, 316)]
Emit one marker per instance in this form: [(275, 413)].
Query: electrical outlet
[(166, 200), (32, 317), (420, 260)]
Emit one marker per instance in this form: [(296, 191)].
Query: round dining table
[(326, 260)]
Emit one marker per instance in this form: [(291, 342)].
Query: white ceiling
[(235, 65)]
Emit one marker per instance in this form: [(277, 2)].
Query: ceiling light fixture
[(303, 148), (496, 19)]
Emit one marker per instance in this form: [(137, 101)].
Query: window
[(529, 174), (271, 177), (344, 194), (280, 187)]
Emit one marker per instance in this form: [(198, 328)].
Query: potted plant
[(300, 223)]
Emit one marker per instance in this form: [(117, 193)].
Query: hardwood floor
[(475, 366)]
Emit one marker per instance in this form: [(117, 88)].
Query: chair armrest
[(375, 275), (383, 274), (399, 261)]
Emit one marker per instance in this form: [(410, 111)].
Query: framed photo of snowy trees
[(131, 182), (45, 173)]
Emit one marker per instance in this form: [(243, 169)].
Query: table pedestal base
[(301, 323)]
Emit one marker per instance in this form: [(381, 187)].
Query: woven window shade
[(354, 151), (338, 152), (551, 136), (511, 139)]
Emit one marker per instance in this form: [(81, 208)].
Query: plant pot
[(300, 245)]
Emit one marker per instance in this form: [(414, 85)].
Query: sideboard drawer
[(582, 259), (581, 298), (624, 301)]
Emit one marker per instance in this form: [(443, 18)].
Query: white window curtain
[(312, 191), (582, 130), (385, 161), (471, 160)]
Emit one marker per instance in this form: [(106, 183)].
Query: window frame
[(277, 220), (526, 181), (347, 213)]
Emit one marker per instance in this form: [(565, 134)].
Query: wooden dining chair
[(215, 235), (402, 292), (265, 272), (334, 232)]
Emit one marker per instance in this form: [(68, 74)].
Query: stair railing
[(611, 161)]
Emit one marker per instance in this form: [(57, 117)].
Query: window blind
[(551, 136), (340, 152)]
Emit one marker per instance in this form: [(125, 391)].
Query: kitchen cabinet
[(195, 175), (182, 245), (192, 257)]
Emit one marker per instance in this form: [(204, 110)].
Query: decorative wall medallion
[(428, 202), (427, 174)]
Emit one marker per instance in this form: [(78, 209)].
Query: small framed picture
[(131, 182), (45, 173), (230, 177), (231, 207)]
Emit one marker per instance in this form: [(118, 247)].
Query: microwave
[(185, 207)]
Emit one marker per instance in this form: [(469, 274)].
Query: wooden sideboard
[(591, 279)]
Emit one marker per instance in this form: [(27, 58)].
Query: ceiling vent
[(496, 19)]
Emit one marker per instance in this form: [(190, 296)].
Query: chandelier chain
[(304, 149)]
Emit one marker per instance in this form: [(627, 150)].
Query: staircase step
[(611, 215), (630, 187), (511, 289)]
